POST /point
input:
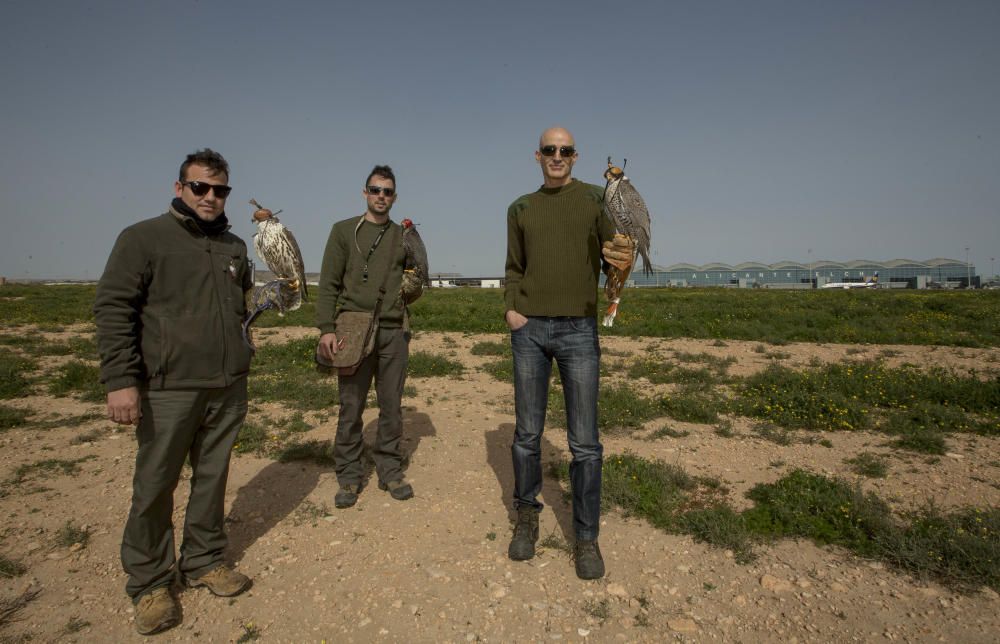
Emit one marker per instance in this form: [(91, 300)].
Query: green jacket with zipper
[(170, 306)]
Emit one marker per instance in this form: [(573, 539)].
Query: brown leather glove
[(620, 252)]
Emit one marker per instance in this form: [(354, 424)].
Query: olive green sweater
[(341, 279), (554, 238)]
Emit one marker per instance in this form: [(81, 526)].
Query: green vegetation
[(46, 468), (868, 464), (76, 377), (961, 549), (692, 406), (490, 349), (667, 432), (11, 417), (287, 373), (13, 381), (502, 370), (49, 307), (70, 534), (10, 568), (318, 452), (955, 318), (918, 406), (427, 365)]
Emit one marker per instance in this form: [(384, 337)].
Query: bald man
[(555, 243)]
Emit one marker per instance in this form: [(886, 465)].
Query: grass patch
[(47, 468), (856, 395), (11, 417), (954, 318), (490, 349), (78, 377), (961, 549), (502, 370), (619, 408), (10, 607), (255, 439), (773, 433), (667, 432), (70, 534), (318, 452), (869, 464), (691, 406), (286, 373), (10, 568), (724, 428), (428, 365), (86, 437), (658, 371), (14, 383), (552, 541)]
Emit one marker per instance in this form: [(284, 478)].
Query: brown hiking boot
[(522, 545), (222, 581), (399, 490), (156, 611)]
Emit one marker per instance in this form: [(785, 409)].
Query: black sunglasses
[(564, 150), (377, 190), (200, 189)]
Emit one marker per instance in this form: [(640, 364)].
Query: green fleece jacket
[(341, 280), (554, 238), (170, 305)]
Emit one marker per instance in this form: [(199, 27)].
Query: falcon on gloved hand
[(276, 245), (416, 274), (626, 209)]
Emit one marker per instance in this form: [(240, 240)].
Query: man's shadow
[(498, 442), (416, 426), (278, 489)]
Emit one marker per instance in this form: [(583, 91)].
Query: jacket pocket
[(193, 350)]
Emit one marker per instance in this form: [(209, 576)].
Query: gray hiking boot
[(399, 489), (589, 562), (346, 496), (522, 545)]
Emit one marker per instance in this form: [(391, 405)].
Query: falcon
[(276, 245), (277, 294), (628, 212), (416, 274)]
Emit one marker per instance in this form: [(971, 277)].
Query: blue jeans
[(572, 341)]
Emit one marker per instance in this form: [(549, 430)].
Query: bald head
[(560, 133), (556, 154)]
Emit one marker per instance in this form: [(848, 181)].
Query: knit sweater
[(554, 238), (341, 280)]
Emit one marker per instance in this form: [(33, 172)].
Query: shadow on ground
[(278, 489), (498, 442)]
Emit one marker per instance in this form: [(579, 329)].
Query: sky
[(763, 131)]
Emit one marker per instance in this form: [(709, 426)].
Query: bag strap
[(388, 269)]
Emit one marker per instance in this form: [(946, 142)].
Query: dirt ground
[(435, 568)]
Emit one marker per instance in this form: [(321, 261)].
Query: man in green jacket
[(168, 311), (363, 254), (557, 237)]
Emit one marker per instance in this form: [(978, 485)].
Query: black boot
[(589, 562), (522, 546)]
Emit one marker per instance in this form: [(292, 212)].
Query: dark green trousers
[(201, 424), (387, 365)]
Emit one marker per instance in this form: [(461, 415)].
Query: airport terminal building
[(896, 273)]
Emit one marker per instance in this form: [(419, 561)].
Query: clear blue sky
[(755, 130)]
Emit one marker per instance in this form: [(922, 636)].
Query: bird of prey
[(276, 245), (277, 294), (628, 212), (416, 274)]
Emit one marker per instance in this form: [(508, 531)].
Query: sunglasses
[(200, 189), (377, 190), (564, 150)]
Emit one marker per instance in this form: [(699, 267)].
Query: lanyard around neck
[(378, 240)]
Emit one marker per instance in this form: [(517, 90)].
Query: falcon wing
[(638, 221), (276, 245), (416, 254)]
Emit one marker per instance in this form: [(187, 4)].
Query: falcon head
[(262, 213), (613, 172), (406, 223)]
